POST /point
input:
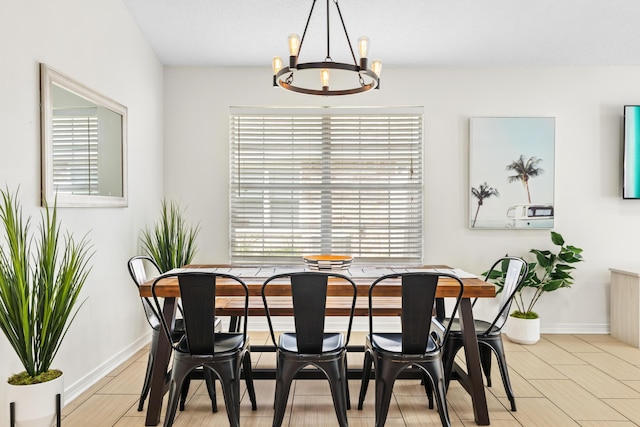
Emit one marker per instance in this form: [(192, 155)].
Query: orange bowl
[(327, 262)]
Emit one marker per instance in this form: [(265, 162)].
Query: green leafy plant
[(41, 277), (171, 242), (549, 272)]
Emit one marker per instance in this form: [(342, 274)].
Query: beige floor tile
[(78, 401), (496, 423), (530, 366), (520, 386), (309, 410), (633, 384), (606, 424), (630, 408), (612, 365), (128, 382), (100, 410), (553, 354), (575, 401), (415, 412), (541, 412), (572, 343), (597, 382), (460, 403), (598, 338), (130, 422), (368, 407), (623, 351), (510, 346)]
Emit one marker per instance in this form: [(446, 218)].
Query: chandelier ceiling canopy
[(346, 78)]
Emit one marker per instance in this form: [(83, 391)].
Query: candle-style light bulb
[(276, 64), (294, 44), (294, 49), (376, 67), (363, 48), (324, 78)]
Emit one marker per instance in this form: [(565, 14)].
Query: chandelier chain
[(304, 33), (344, 27)]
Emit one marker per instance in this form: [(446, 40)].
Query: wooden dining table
[(230, 302)]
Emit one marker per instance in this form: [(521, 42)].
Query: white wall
[(590, 213), (98, 44)]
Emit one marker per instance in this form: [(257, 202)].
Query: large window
[(331, 180)]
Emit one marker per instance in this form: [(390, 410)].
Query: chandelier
[(361, 77)]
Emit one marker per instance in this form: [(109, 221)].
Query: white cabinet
[(625, 306)]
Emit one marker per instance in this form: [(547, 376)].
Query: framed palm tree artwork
[(511, 172)]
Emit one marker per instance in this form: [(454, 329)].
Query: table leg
[(472, 355), (160, 365)]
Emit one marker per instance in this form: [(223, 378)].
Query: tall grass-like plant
[(171, 242), (41, 277)]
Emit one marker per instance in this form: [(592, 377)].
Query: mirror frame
[(49, 77)]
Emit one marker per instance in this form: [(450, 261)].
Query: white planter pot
[(35, 405), (523, 331)]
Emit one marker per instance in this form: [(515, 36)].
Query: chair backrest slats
[(418, 304), (418, 296), (309, 297), (309, 304), (198, 295), (139, 275), (515, 271), (198, 303)]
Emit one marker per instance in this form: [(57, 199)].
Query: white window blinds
[(314, 181), (75, 151)]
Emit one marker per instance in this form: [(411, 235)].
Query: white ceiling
[(402, 32)]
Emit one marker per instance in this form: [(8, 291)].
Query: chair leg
[(498, 348), (386, 374), (285, 372), (228, 374), (178, 374), (336, 374), (146, 387), (366, 374), (428, 388), (184, 391), (434, 373), (485, 361), (346, 381), (147, 383), (248, 377), (210, 381), (451, 348)]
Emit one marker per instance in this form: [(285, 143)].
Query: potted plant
[(41, 277), (171, 242), (549, 272)]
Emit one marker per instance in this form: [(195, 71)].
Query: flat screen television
[(631, 155)]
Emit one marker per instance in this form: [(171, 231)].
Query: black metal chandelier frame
[(285, 76)]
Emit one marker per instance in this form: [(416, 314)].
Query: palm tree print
[(481, 193), (524, 171)]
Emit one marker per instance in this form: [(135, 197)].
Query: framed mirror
[(84, 144)]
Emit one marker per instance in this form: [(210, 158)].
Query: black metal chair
[(310, 344), (511, 272), (222, 353), (419, 344), (138, 270)]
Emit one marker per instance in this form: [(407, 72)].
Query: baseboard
[(79, 387), (576, 328)]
